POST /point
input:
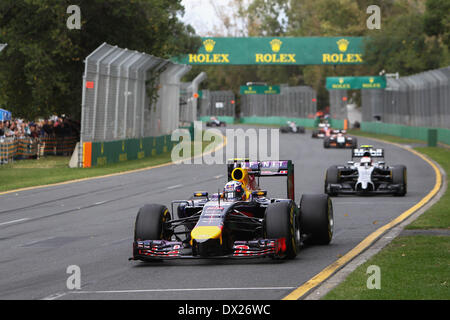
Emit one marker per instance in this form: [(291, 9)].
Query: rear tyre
[(326, 142), (281, 222), (399, 176), (284, 129), (316, 218), (331, 177), (150, 223), (315, 133), (301, 129)]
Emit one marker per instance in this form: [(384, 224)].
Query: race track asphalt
[(90, 224)]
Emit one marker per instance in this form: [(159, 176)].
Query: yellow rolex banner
[(279, 50)]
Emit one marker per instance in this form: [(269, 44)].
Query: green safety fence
[(409, 132), (130, 149)]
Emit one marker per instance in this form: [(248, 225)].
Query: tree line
[(414, 37), (41, 69)]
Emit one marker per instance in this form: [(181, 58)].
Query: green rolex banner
[(279, 51), (260, 89), (349, 83)]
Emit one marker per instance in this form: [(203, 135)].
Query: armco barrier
[(279, 121), (408, 132), (101, 153)]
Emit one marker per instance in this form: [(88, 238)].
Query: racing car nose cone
[(206, 232)]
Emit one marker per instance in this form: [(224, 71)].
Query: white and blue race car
[(370, 175)]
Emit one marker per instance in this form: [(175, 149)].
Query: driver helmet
[(366, 161), (234, 190)]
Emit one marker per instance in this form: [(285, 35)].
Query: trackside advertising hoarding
[(277, 51), (350, 83)]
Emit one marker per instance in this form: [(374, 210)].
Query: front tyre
[(317, 218), (150, 223), (281, 222), (331, 177), (399, 176)]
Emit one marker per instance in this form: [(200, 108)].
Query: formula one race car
[(240, 222), (215, 123), (292, 128), (323, 131), (340, 139), (366, 177)]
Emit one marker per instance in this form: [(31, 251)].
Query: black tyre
[(281, 221), (399, 176), (326, 142), (316, 218), (331, 177), (150, 223), (284, 130), (354, 143), (315, 133), (301, 129)]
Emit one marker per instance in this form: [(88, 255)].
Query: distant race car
[(239, 222), (340, 139), (323, 131), (292, 128), (215, 123), (366, 176)]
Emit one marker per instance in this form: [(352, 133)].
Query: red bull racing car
[(340, 139), (239, 222)]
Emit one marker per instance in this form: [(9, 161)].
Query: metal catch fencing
[(297, 102), (338, 107), (217, 103), (188, 102), (421, 100), (129, 94)]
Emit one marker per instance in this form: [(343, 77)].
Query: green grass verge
[(386, 137), (411, 267), (438, 216), (52, 169)]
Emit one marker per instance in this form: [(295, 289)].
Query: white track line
[(174, 187), (14, 221), (55, 296), (181, 290)]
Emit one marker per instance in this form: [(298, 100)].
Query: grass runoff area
[(416, 264), (55, 169)]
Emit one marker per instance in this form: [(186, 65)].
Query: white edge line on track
[(62, 294), (14, 221)]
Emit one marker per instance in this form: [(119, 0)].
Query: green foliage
[(414, 37), (43, 64), (403, 47)]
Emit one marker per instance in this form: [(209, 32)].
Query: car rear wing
[(278, 168), (362, 151)]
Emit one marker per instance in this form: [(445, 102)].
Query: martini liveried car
[(240, 221)]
